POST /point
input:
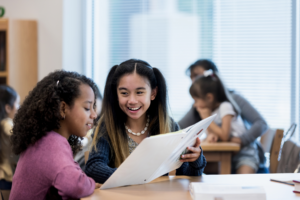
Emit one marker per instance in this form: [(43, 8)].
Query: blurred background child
[(9, 104), (211, 97)]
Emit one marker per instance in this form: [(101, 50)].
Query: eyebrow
[(88, 102), (139, 88)]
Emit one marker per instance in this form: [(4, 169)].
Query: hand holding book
[(193, 152)]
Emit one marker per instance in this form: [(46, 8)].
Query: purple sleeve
[(72, 182)]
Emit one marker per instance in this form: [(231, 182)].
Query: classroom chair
[(271, 143)]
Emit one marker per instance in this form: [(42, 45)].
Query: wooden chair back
[(271, 142)]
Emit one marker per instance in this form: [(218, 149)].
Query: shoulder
[(238, 98), (102, 135), (53, 144), (226, 108), (56, 139), (53, 153)]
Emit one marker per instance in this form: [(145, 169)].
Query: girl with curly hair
[(134, 107), (47, 131), (9, 104)]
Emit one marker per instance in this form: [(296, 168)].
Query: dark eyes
[(126, 93), (87, 109)]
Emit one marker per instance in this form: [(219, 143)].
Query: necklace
[(142, 132)]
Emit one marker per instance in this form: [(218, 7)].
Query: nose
[(132, 99), (93, 114)]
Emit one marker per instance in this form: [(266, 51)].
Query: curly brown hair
[(40, 112)]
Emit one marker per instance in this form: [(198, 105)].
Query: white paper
[(156, 156), (204, 191)]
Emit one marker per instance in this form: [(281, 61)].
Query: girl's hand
[(97, 185), (212, 138), (193, 154), (204, 112), (236, 140)]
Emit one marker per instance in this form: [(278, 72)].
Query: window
[(253, 43)]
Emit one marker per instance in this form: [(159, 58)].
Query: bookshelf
[(18, 55)]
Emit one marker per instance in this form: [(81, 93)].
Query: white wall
[(73, 35), (49, 15)]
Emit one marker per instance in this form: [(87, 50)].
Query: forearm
[(215, 129), (253, 117), (72, 182), (256, 130), (99, 165), (99, 172)]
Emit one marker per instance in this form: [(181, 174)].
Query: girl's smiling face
[(135, 95), (79, 118)]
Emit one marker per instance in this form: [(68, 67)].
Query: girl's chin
[(134, 116)]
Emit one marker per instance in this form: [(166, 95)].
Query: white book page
[(143, 162), (155, 156), (187, 140)]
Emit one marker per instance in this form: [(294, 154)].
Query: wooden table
[(220, 152), (176, 187)]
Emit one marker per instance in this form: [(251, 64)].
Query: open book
[(156, 156)]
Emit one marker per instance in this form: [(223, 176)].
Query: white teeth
[(134, 108)]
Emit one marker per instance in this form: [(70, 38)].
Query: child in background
[(211, 97), (47, 131), (9, 104), (134, 107)]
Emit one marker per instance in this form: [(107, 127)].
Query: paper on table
[(156, 156), (204, 191)]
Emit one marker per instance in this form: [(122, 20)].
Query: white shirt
[(237, 125)]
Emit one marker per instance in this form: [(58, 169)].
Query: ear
[(210, 97), (8, 108), (63, 109), (153, 93)]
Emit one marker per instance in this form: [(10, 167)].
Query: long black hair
[(40, 112), (112, 118), (8, 96)]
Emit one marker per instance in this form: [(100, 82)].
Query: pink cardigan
[(49, 163)]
